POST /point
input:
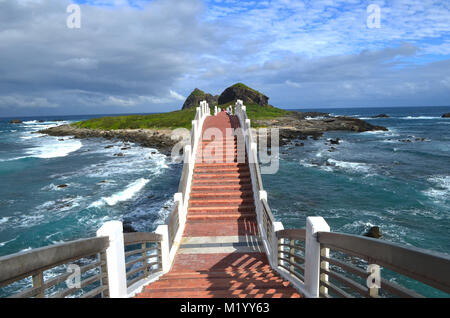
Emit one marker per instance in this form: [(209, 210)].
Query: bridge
[(221, 240)]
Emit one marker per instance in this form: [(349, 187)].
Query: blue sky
[(147, 56)]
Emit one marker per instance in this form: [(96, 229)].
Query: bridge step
[(218, 169), (226, 181), (237, 175), (216, 195), (221, 202), (216, 207), (216, 188), (228, 217)]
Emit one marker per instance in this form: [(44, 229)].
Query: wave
[(6, 242), (440, 190), (130, 191), (350, 166), (4, 220), (57, 149), (420, 117)]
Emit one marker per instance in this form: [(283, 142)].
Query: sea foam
[(130, 191)]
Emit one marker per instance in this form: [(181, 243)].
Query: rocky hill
[(197, 96), (246, 94)]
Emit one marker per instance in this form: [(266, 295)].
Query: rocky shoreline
[(299, 125), (150, 138), (294, 126)]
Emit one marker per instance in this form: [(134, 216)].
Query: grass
[(177, 119), (172, 120)]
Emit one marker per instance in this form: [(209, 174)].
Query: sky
[(144, 56)]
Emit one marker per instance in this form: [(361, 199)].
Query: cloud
[(145, 56)]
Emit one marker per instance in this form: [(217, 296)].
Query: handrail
[(419, 264), (33, 263), (140, 237), (23, 264), (138, 257), (295, 234)]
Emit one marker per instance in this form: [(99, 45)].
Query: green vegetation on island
[(183, 118)]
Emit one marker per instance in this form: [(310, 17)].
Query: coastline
[(296, 125)]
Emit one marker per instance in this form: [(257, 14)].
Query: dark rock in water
[(446, 115), (128, 228), (62, 186), (332, 149), (60, 139), (381, 116), (373, 232), (16, 121), (40, 121), (109, 147), (119, 154), (336, 141), (125, 148), (313, 114), (246, 94), (197, 96)]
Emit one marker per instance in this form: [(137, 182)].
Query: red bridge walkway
[(221, 253)]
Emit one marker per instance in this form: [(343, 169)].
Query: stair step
[(220, 170), (228, 217), (222, 181), (221, 175), (209, 202), (222, 194), (236, 207)]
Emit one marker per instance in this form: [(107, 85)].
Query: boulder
[(381, 116), (62, 186), (446, 115), (16, 121), (197, 96), (246, 94), (373, 232)]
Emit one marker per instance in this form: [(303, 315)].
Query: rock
[(16, 121), (246, 94), (109, 147), (128, 227), (381, 116), (62, 186), (40, 121), (446, 115), (119, 154), (373, 232), (60, 139), (335, 141), (125, 148), (197, 96), (332, 149)]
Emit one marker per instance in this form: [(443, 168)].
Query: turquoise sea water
[(371, 179)]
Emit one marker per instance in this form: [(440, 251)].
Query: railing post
[(115, 258), (165, 251), (312, 254), (277, 226)]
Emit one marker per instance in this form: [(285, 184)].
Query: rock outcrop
[(374, 232), (246, 94), (16, 121), (447, 115), (197, 96), (381, 116)]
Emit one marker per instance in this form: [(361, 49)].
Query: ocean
[(370, 179)]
